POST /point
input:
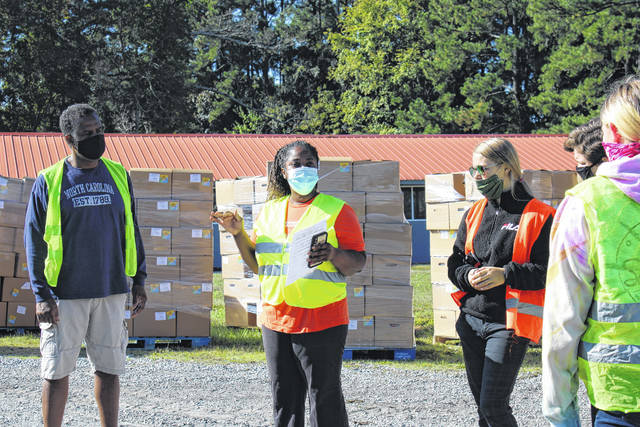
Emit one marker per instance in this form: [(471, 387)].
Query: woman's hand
[(485, 278), (230, 221), (320, 253)]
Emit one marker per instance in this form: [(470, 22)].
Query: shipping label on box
[(192, 241), (389, 300), (437, 216), (391, 270), (192, 185), (387, 239), (7, 264), (17, 290), (364, 276), (394, 332), (361, 332), (376, 176), (385, 207), (355, 199), (156, 240), (159, 294), (7, 236), (196, 268), (12, 214), (441, 242), (355, 301), (151, 183), (444, 323), (224, 193), (195, 213), (335, 175), (446, 187), (22, 268), (456, 213), (10, 189), (158, 213), (20, 314)]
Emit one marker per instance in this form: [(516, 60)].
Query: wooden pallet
[(20, 330), (150, 343), (379, 353), (444, 340)]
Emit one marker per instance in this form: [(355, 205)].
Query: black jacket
[(493, 246)]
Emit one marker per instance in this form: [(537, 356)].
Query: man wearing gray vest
[(82, 241)]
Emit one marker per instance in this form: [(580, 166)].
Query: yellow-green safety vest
[(325, 284), (609, 350), (53, 227)]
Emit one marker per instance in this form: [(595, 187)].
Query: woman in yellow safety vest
[(304, 317), (592, 315), (499, 265)]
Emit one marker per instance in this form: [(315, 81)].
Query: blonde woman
[(499, 265), (592, 315)]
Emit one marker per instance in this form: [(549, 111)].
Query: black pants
[(306, 363), (492, 357)]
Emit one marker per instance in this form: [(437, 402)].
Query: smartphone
[(318, 239)]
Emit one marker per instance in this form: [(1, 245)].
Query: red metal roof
[(231, 156)]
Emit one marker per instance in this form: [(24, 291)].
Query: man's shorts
[(97, 321)]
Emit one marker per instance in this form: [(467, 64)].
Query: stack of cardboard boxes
[(172, 207), (448, 197), (17, 304)]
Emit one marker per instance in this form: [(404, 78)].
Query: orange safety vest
[(524, 308)]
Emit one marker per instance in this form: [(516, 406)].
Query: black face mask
[(91, 148), (584, 172)]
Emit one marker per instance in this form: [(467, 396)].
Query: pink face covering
[(616, 150)]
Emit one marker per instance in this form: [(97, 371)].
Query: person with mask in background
[(304, 321), (585, 142), (592, 314), (499, 265), (82, 241)]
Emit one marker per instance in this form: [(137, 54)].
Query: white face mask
[(302, 180)]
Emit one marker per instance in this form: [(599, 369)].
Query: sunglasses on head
[(480, 170)]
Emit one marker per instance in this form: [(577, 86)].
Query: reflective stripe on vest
[(524, 308), (322, 286), (53, 226), (609, 350)]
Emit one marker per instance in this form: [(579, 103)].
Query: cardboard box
[(240, 313), (7, 264), (155, 322), (233, 267), (190, 295), (444, 323), (156, 240), (364, 277), (387, 239), (163, 267), (12, 214), (385, 207), (196, 268), (151, 183), (192, 241), (192, 185), (242, 288), (194, 213), (260, 190), (7, 238), (158, 213), (446, 187), (441, 293), (22, 268), (437, 216), (227, 243), (376, 176), (456, 212), (10, 189), (3, 314), (27, 185), (470, 189), (159, 293), (224, 193), (335, 175), (441, 242), (361, 332), (394, 332), (18, 241), (539, 182), (355, 199), (389, 301), (194, 323), (561, 181), (20, 314), (355, 301), (243, 191), (439, 269), (17, 290), (392, 270)]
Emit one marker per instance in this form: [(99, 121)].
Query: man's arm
[(138, 293)]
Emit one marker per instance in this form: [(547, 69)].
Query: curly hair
[(71, 117), (278, 185), (587, 139)]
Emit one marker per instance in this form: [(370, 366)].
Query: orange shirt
[(293, 320)]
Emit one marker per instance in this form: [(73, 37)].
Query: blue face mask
[(302, 180)]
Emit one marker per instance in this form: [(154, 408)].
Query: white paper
[(127, 314), (154, 177), (156, 232), (194, 177), (21, 309), (196, 233), (353, 325), (26, 285), (299, 251), (161, 260), (162, 205), (207, 287), (161, 315), (1, 204), (165, 287)]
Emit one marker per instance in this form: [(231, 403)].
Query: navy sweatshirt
[(493, 246), (93, 236)]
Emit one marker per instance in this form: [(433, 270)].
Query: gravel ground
[(170, 393)]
